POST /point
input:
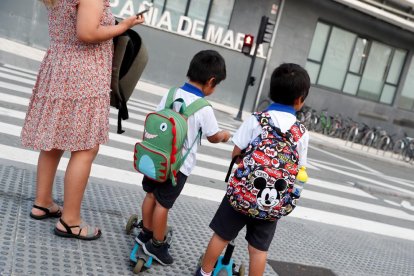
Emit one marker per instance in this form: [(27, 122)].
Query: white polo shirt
[(204, 119), (251, 128)]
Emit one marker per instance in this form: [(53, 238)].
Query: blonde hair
[(49, 3)]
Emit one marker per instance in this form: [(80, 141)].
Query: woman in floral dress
[(69, 107)]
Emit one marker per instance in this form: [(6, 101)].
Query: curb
[(329, 142), (379, 190)]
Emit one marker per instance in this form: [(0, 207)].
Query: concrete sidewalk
[(29, 247), (322, 141)]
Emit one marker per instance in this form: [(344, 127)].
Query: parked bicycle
[(337, 127), (384, 142), (325, 122), (408, 152), (401, 144)]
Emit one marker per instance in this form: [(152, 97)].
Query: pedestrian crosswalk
[(329, 202)]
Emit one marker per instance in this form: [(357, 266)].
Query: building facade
[(359, 54)]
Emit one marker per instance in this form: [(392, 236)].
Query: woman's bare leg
[(46, 171), (76, 179)]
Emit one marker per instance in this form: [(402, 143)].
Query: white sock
[(204, 273)]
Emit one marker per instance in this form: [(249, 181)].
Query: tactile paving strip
[(28, 247), (11, 179)]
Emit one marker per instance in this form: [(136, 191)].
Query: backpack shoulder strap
[(170, 97), (297, 130), (195, 106)]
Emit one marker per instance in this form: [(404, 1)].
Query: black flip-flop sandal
[(90, 235), (48, 213)]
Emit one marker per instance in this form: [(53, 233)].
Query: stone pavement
[(29, 247)]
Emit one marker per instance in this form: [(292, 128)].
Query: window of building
[(220, 14), (215, 12), (176, 9), (355, 65), (407, 95), (198, 9)]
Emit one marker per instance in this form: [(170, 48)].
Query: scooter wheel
[(242, 270), (131, 222), (139, 265)]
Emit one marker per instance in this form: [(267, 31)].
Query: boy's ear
[(212, 82), (298, 100)]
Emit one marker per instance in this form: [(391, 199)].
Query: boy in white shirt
[(289, 87), (207, 69)]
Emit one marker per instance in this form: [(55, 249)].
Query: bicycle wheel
[(368, 138), (383, 143), (350, 136), (398, 147)]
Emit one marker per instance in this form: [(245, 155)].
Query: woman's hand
[(131, 21), (88, 23)]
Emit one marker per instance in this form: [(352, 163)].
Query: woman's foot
[(80, 231), (40, 212)]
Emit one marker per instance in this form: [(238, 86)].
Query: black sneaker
[(160, 253), (143, 237)]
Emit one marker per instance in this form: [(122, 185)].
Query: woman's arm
[(88, 27)]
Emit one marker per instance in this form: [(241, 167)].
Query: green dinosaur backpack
[(159, 155)]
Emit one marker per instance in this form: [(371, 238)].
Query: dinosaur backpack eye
[(163, 127)]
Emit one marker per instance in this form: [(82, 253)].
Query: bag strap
[(230, 170), (198, 137), (170, 97), (261, 115), (195, 106), (190, 110), (295, 131)]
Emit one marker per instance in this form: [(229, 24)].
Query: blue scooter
[(225, 265), (138, 257)]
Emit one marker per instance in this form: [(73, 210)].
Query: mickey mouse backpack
[(261, 186), (159, 155)]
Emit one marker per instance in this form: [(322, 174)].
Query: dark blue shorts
[(227, 224), (165, 193)]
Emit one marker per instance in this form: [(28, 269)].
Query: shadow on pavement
[(293, 269)]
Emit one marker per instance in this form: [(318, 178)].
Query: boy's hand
[(221, 136), (226, 135)]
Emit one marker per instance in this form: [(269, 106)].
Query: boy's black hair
[(289, 81), (205, 65)]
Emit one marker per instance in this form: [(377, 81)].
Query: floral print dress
[(69, 107)]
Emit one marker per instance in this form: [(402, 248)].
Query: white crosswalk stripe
[(212, 164)]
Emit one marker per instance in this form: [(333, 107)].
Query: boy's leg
[(259, 235), (147, 210), (214, 249), (257, 261), (159, 221), (165, 196), (226, 224)]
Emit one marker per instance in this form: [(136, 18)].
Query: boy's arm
[(303, 149), (236, 151), (210, 126), (221, 136)]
